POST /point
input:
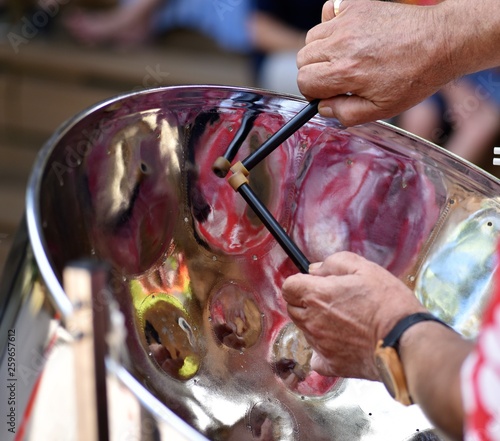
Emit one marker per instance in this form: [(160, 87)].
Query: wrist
[(419, 346), (388, 359), (391, 320)]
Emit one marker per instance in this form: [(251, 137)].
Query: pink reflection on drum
[(133, 224), (352, 195)]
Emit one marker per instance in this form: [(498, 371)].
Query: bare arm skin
[(432, 357), (391, 56), (346, 304)]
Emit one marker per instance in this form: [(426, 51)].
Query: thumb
[(351, 110), (328, 12), (332, 8)]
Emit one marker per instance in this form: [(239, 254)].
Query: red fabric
[(481, 377)]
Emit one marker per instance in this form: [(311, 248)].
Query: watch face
[(385, 374), (391, 373)]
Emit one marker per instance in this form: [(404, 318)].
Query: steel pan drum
[(197, 277)]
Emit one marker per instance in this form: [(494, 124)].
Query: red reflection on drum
[(222, 218)]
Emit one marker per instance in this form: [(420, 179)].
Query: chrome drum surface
[(197, 276)]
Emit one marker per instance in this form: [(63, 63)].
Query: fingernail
[(314, 266), (325, 110)]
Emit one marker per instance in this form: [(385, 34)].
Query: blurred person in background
[(40, 15), (18, 8), (135, 22), (278, 30), (463, 117)]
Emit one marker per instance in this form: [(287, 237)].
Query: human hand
[(374, 60), (344, 306)]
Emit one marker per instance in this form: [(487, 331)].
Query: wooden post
[(86, 286)]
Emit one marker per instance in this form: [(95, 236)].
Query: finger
[(319, 78), (301, 290), (352, 110), (293, 289), (338, 264), (298, 316), (320, 31), (296, 313), (328, 11)]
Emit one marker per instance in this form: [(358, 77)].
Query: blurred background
[(58, 57)]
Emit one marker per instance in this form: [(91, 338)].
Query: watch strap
[(392, 338)]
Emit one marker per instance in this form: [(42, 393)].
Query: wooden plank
[(11, 206), (9, 100), (171, 64), (5, 245), (3, 101), (46, 104), (16, 163)]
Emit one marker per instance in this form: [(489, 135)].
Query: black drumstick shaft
[(281, 135), (274, 228)]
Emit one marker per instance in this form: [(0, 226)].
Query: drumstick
[(281, 135), (239, 183), (222, 164)]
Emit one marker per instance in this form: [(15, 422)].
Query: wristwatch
[(387, 359)]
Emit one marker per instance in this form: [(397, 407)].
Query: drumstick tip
[(221, 167)]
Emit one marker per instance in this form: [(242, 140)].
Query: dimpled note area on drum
[(198, 277)]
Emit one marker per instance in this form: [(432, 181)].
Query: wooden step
[(41, 105), (60, 58)]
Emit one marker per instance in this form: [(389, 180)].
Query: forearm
[(432, 357), (470, 34)]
